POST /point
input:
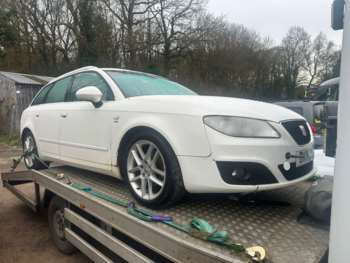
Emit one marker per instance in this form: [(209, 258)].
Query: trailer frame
[(154, 242)]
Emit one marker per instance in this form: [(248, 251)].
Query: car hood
[(210, 105)]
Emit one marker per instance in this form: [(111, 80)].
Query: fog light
[(238, 173), (241, 174), (286, 166)]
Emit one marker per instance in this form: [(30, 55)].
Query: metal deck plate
[(271, 224)]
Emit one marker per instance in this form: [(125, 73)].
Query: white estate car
[(162, 138)]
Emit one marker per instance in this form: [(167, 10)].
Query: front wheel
[(151, 170)]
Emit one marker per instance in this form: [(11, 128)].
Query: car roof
[(93, 68), (330, 82)]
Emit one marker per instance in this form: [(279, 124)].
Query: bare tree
[(316, 57), (175, 20), (130, 13), (175, 37), (295, 45)]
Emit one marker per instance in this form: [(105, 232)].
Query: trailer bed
[(271, 220)]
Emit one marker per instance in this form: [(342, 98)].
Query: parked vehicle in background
[(328, 90), (162, 138), (315, 110), (311, 111), (331, 120)]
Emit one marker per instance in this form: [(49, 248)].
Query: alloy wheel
[(146, 170)]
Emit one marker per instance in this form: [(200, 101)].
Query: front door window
[(85, 79)]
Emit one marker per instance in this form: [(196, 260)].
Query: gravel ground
[(24, 235)]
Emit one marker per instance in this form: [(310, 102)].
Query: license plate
[(305, 157)]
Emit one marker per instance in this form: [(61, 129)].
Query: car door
[(86, 129), (47, 117)]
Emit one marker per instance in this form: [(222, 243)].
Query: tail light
[(313, 129)]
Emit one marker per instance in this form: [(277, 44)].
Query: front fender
[(27, 123), (185, 133)]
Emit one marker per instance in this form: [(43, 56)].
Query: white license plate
[(305, 157)]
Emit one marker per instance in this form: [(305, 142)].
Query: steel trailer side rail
[(276, 226), (115, 245), (22, 196), (156, 239), (167, 245), (85, 247), (11, 179)]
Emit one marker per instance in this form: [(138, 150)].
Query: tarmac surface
[(24, 235)]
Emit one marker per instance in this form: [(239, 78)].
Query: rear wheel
[(56, 225), (31, 150), (151, 169)]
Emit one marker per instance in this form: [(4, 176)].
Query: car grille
[(299, 130)]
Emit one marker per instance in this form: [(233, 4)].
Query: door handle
[(37, 115), (64, 115)]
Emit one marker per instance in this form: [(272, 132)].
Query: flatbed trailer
[(107, 233)]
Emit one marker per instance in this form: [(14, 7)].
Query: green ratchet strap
[(197, 228)]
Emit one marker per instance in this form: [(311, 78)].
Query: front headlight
[(241, 127)]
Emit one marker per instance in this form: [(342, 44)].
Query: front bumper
[(264, 157)]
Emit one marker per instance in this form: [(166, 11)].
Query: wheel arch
[(139, 128), (24, 132), (186, 135), (48, 195), (27, 127)]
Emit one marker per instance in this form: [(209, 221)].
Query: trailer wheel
[(56, 226)]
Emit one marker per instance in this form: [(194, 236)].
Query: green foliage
[(11, 140), (88, 33), (7, 30)]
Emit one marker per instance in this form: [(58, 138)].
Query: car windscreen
[(137, 84)]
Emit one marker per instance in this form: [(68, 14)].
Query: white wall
[(340, 224)]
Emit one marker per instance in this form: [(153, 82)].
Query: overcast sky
[(274, 17)]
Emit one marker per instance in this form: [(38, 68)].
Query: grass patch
[(10, 140)]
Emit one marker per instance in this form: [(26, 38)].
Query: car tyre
[(173, 188), (56, 226), (31, 162)]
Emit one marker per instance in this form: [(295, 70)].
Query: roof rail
[(73, 72), (83, 68)]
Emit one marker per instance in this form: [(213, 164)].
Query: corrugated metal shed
[(16, 92), (26, 78)]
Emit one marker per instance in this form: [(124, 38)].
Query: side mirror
[(90, 93)]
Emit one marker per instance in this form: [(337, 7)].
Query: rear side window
[(86, 79), (58, 92), (39, 99)]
